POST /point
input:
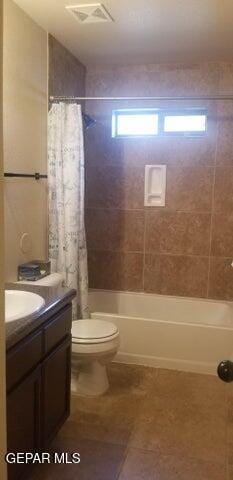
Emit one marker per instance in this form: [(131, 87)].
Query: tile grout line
[(155, 210), (212, 212), (152, 451), (160, 453), (173, 455), (122, 464), (128, 446), (141, 252), (144, 251)]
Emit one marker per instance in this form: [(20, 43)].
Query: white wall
[(25, 135), (2, 323)]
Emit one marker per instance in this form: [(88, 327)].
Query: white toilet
[(94, 345)]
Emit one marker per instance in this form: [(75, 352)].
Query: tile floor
[(153, 424)]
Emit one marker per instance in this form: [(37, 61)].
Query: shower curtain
[(67, 240)]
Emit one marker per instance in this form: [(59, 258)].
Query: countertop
[(55, 299)]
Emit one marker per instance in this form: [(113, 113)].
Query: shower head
[(88, 121)]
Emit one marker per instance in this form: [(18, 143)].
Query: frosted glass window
[(184, 123), (135, 124)]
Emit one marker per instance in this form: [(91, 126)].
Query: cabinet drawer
[(23, 358), (58, 328)]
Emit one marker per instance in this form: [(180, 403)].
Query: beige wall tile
[(173, 79), (222, 235), (177, 233), (225, 141), (180, 151), (115, 187), (221, 278), (195, 185), (226, 78), (183, 151), (115, 271), (100, 147), (176, 275), (66, 73), (223, 192), (115, 230), (189, 189)]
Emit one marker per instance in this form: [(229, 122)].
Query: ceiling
[(143, 31)]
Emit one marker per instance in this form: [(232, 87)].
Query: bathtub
[(169, 332)]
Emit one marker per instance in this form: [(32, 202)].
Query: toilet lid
[(91, 329)]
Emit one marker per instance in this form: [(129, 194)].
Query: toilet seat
[(93, 331)]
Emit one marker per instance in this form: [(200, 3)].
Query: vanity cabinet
[(55, 391), (23, 420), (38, 388)]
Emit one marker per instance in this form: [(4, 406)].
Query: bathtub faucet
[(225, 371)]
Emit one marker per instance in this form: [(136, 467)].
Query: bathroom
[(157, 266)]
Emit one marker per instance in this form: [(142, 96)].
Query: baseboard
[(169, 363)]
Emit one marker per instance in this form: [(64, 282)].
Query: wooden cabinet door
[(23, 421), (55, 401)]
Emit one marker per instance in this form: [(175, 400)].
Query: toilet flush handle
[(225, 371)]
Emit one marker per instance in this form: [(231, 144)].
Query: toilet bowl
[(94, 345)]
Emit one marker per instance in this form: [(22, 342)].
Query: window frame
[(133, 111), (161, 113), (182, 113)]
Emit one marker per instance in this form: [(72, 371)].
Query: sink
[(21, 304)]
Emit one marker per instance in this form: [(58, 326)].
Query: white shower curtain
[(67, 241)]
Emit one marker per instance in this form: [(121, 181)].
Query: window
[(186, 123), (127, 123), (154, 122)]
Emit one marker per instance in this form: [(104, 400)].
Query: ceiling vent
[(92, 13)]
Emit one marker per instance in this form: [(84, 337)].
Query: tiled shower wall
[(185, 248), (66, 73)]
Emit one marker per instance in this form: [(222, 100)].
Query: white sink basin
[(21, 304)]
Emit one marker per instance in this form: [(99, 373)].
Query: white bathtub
[(170, 332)]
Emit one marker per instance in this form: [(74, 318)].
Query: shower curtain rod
[(201, 97)]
